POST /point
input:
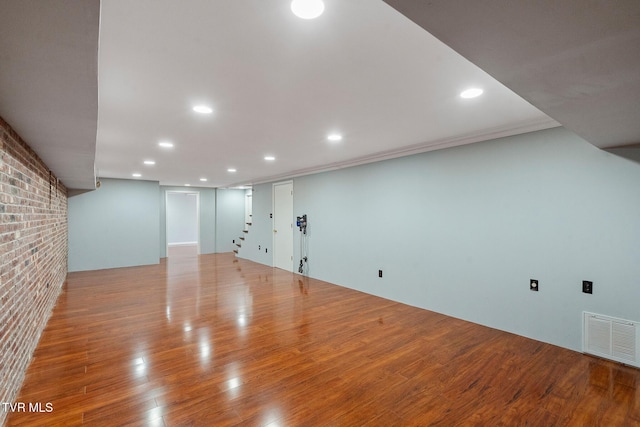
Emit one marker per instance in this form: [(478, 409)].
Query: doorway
[(283, 225), (182, 222), (248, 208)]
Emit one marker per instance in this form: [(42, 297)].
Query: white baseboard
[(182, 244)]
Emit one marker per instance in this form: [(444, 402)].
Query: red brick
[(33, 253)]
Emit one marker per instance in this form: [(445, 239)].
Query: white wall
[(182, 218), (461, 231), (114, 226)]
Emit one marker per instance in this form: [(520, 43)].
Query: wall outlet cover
[(587, 287), (533, 285)]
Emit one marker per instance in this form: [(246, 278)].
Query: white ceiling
[(576, 60), (278, 85)]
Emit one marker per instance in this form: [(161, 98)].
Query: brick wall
[(33, 255)]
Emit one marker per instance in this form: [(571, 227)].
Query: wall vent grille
[(611, 338)]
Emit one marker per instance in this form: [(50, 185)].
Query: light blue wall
[(229, 218), (259, 239), (182, 218), (207, 218), (114, 226), (208, 208), (124, 223), (461, 231)]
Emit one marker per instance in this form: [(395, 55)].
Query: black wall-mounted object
[(301, 223)]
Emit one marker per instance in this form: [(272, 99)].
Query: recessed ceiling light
[(203, 109), (165, 144), (269, 158), (187, 185), (149, 162), (334, 137), (203, 179), (136, 175), (307, 9), (471, 93), (231, 170)]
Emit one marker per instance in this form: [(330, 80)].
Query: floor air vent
[(615, 339)]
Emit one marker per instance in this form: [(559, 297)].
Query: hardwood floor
[(213, 341)]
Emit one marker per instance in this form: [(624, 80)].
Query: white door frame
[(273, 209), (166, 216)]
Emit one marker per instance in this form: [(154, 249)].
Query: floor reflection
[(183, 292), (208, 340)]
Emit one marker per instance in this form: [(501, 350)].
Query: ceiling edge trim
[(490, 134)]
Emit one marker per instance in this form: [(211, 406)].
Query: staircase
[(241, 239)]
